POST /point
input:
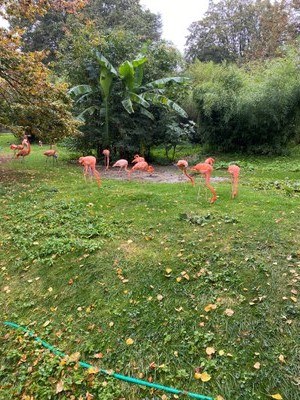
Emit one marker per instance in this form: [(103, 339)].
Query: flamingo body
[(183, 164), (234, 171), (210, 161), (206, 170), (122, 164), (89, 164)]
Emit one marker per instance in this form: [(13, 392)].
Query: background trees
[(239, 30)]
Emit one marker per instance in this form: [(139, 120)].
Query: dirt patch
[(168, 174)]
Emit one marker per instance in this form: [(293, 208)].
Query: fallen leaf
[(159, 297), (204, 377), (210, 350), (281, 358), (168, 270), (256, 365), (98, 355), (93, 370), (74, 357), (59, 387), (46, 323), (229, 312), (129, 341), (276, 396), (210, 307)]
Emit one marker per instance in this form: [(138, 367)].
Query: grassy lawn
[(88, 268)]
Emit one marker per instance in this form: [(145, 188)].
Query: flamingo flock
[(206, 169), (139, 164)]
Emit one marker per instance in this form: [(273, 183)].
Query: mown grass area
[(88, 268)]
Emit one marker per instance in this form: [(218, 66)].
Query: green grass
[(83, 266)]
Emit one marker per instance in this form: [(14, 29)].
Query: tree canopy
[(29, 95), (239, 30)]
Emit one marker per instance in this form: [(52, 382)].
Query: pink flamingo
[(183, 164), (141, 166), (206, 170), (106, 154), (51, 153), (234, 170), (122, 164), (89, 164), (137, 159), (25, 151), (16, 147), (210, 161)]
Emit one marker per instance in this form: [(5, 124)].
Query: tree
[(30, 97), (236, 30), (129, 91), (47, 31)]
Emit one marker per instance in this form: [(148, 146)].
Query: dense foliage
[(239, 30), (253, 109), (30, 97)]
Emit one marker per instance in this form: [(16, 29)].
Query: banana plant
[(131, 73), (105, 83)]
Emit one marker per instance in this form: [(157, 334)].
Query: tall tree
[(47, 31), (29, 95), (235, 30)]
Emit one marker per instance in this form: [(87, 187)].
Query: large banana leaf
[(139, 100), (126, 72), (127, 104), (80, 90), (104, 63), (89, 110), (164, 101), (147, 113)]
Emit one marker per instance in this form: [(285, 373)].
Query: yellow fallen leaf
[(210, 307), (210, 350), (93, 370), (159, 297), (276, 396), (256, 365), (129, 341), (219, 397), (205, 377), (221, 353), (281, 358), (168, 270)]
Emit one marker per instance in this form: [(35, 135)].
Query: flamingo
[(141, 166), (183, 164), (25, 151), (137, 159), (210, 161), (106, 154), (234, 170), (51, 153), (89, 164), (122, 164), (16, 147), (206, 170)]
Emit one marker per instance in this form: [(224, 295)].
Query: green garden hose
[(114, 375)]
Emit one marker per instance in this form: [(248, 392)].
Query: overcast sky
[(177, 17)]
